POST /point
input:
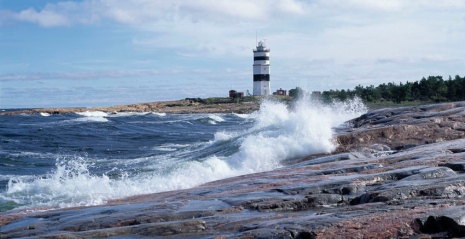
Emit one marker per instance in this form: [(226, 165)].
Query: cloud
[(385, 5), (82, 75), (44, 18), (59, 14), (394, 5), (161, 11), (221, 27)]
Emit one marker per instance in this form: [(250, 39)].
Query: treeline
[(433, 88)]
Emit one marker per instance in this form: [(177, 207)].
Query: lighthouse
[(261, 70)]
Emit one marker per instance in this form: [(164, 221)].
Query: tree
[(295, 93), (400, 93), (427, 89), (440, 89)]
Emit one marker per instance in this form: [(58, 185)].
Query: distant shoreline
[(187, 106)]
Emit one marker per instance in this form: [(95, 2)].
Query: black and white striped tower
[(261, 70)]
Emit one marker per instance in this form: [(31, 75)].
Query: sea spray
[(70, 184), (282, 133), (278, 133)]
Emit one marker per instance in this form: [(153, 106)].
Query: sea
[(89, 158)]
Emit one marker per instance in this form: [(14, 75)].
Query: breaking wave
[(279, 133)]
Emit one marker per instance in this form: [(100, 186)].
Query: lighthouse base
[(261, 88)]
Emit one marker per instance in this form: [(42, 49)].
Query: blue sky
[(110, 52)]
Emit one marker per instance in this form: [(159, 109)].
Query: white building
[(261, 70)]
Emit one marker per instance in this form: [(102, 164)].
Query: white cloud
[(214, 11), (60, 14), (385, 5), (150, 11), (394, 5), (44, 18), (322, 28)]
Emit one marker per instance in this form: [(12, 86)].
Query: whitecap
[(92, 116), (91, 119), (170, 147), (223, 136), (243, 116), (127, 114), (216, 118)]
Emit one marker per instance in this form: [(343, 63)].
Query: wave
[(170, 147), (216, 118), (213, 119), (92, 116), (127, 114), (279, 133), (224, 136)]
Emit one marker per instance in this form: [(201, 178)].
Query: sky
[(111, 52)]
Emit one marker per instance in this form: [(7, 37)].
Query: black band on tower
[(261, 58), (263, 77)]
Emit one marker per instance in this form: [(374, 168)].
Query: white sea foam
[(33, 154), (91, 119), (70, 185), (279, 133), (216, 118), (125, 114), (244, 116), (9, 176), (92, 116), (159, 114), (170, 147), (223, 136)]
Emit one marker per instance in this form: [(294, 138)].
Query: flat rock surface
[(397, 173), (173, 107)]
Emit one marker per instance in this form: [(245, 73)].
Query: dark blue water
[(89, 158)]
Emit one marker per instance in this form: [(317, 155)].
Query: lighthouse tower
[(261, 70)]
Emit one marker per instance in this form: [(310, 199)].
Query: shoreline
[(171, 107), (397, 173)]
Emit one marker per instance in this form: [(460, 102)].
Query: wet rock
[(450, 221), (456, 166), (404, 126), (431, 173), (281, 205), (368, 198)]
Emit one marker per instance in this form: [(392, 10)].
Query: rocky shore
[(397, 173), (187, 106)]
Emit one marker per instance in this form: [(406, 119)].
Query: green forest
[(430, 89)]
